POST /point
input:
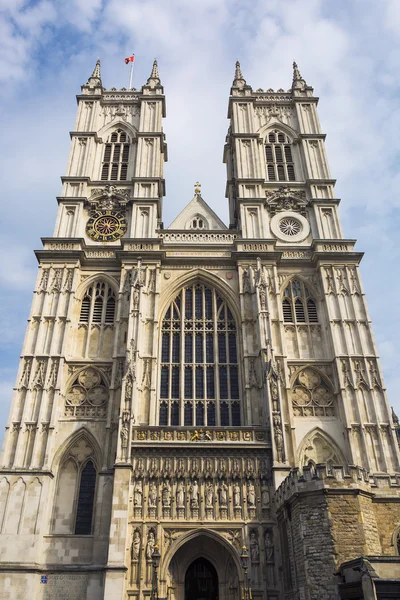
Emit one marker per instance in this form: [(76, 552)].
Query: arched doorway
[(201, 581)]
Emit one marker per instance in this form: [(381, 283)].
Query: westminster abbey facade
[(201, 387)]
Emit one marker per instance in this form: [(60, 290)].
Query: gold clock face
[(106, 225)]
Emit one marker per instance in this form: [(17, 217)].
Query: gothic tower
[(197, 387)]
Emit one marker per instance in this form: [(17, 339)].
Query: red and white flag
[(130, 59)]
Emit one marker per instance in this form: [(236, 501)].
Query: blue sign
[(43, 579)]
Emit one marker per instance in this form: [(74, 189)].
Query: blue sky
[(349, 52)]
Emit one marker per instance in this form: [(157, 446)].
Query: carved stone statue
[(246, 282), (278, 437), (151, 542), (254, 548), (138, 494), (152, 495), (236, 495), (223, 494), (166, 494), (194, 494), (265, 497), (251, 494), (135, 547), (209, 495), (269, 545), (180, 495)]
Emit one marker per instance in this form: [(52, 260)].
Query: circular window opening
[(290, 226)]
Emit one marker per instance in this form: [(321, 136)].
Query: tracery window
[(98, 305), (278, 153), (298, 306), (311, 395), (116, 156), (199, 379)]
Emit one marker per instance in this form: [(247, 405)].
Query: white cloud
[(348, 51)]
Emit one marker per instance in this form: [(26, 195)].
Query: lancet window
[(98, 305), (199, 379), (116, 157), (298, 306), (278, 154), (76, 488), (84, 508)]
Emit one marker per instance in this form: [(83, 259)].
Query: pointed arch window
[(98, 305), (297, 305), (74, 501), (116, 157), (278, 154), (84, 509), (199, 377)]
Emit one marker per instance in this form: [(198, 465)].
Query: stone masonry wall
[(388, 518), (333, 517), (313, 548)]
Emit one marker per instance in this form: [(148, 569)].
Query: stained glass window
[(199, 361)]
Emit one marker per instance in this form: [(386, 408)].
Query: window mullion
[(183, 359), (216, 360)]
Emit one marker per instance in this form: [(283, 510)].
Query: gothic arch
[(197, 216), (314, 291), (129, 129), (64, 451), (279, 126), (324, 377), (76, 373), (92, 280), (318, 447), (214, 540), (207, 278)]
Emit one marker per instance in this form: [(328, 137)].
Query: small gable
[(198, 216)]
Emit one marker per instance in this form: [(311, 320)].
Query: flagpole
[(130, 76)]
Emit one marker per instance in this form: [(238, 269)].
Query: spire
[(95, 78), (238, 81), (298, 81), (154, 78), (395, 418), (96, 71)]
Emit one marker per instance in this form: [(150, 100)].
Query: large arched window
[(116, 156), (298, 306), (199, 379), (278, 153), (98, 305)]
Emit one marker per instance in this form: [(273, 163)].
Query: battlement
[(323, 476)]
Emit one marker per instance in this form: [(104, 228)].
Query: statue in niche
[(166, 494), (278, 437), (180, 495), (265, 498), (251, 494), (246, 282), (269, 545), (254, 548), (236, 495), (209, 495), (194, 494), (151, 542), (223, 494), (138, 494), (152, 495), (135, 547)]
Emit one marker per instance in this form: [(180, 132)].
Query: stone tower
[(197, 387)]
